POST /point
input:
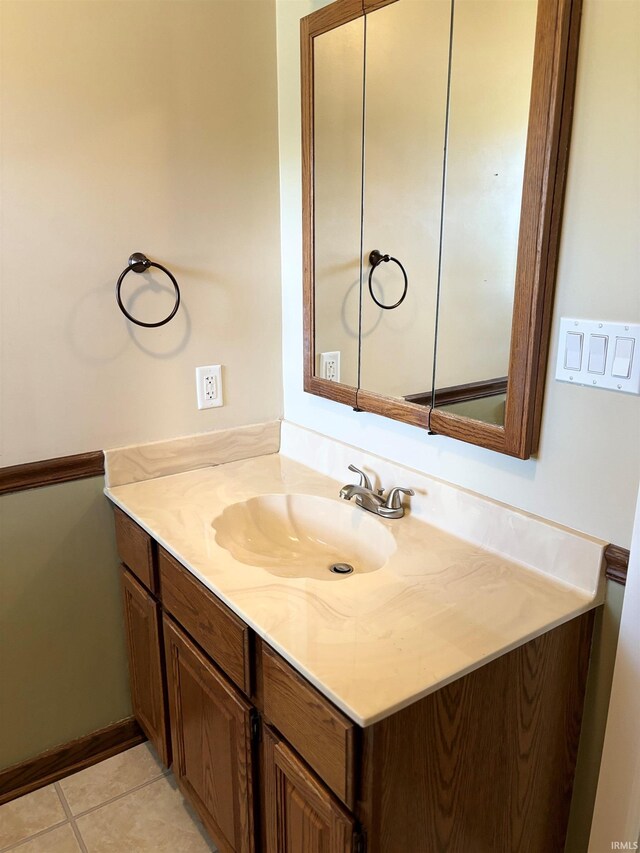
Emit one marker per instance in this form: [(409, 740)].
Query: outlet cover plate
[(209, 386)]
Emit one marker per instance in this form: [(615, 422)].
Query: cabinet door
[(142, 625), (302, 816), (211, 739)]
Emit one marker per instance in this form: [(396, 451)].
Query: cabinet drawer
[(136, 549), (322, 735), (223, 636)]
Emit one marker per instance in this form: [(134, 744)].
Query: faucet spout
[(361, 493), (365, 498)]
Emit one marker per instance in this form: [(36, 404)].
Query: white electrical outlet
[(330, 366), (209, 386)]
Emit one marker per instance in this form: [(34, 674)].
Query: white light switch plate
[(209, 386), (599, 354)]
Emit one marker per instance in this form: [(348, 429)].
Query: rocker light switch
[(573, 351), (623, 358), (597, 353)]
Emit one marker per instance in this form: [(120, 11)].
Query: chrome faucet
[(390, 506)]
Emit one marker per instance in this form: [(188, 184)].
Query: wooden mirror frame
[(549, 131)]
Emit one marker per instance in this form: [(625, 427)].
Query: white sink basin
[(303, 536)]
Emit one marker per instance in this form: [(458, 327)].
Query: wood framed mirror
[(435, 132)]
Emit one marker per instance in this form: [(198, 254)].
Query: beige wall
[(136, 125), (63, 666), (126, 126), (586, 471)]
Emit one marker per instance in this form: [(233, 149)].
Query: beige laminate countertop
[(371, 642)]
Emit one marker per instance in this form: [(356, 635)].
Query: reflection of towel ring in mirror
[(139, 263), (376, 258)]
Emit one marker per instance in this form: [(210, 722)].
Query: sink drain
[(341, 569)]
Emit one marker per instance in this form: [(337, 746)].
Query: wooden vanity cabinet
[(486, 763), (197, 669)]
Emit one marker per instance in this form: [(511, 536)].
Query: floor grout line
[(63, 800), (69, 814), (79, 838), (118, 797), (34, 836)]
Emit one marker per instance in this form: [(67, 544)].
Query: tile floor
[(126, 804)]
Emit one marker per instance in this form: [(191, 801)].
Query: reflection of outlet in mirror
[(209, 386), (330, 366)]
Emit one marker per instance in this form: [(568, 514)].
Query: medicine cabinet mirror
[(435, 137)]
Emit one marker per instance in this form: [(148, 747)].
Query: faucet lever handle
[(394, 501), (365, 482)]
